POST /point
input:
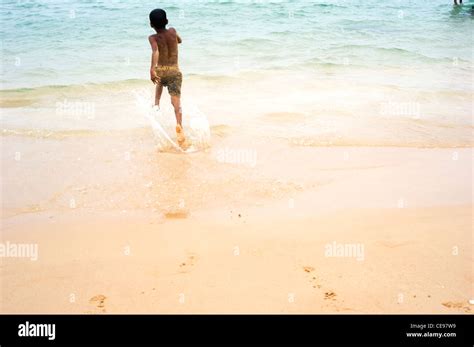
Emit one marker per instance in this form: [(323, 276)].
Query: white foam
[(163, 122)]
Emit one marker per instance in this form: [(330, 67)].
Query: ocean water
[(49, 42), (402, 68)]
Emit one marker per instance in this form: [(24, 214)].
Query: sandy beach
[(247, 241), (331, 168)]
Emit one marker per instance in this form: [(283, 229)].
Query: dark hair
[(158, 19)]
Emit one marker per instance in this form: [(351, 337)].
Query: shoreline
[(318, 110)]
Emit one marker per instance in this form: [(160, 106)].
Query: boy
[(164, 70)]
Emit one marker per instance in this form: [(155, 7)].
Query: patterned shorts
[(170, 78)]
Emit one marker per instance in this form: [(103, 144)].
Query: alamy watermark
[(238, 156), (19, 250), (392, 108), (76, 109), (28, 329), (345, 250)]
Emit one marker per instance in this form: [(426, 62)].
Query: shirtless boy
[(164, 70)]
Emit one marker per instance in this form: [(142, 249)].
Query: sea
[(312, 72)]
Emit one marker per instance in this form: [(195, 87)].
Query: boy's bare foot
[(181, 138), (180, 134)]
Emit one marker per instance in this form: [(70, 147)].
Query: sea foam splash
[(163, 121)]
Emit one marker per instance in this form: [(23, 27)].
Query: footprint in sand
[(328, 295), (187, 265), (458, 305), (99, 302), (313, 280), (177, 213)]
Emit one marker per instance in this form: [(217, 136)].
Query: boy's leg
[(159, 91), (174, 89), (176, 102)]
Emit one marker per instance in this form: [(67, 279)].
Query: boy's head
[(158, 19)]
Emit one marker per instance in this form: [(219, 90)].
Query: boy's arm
[(178, 38), (155, 54)]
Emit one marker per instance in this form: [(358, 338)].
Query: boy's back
[(167, 41)]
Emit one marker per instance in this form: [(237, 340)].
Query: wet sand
[(122, 228)]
